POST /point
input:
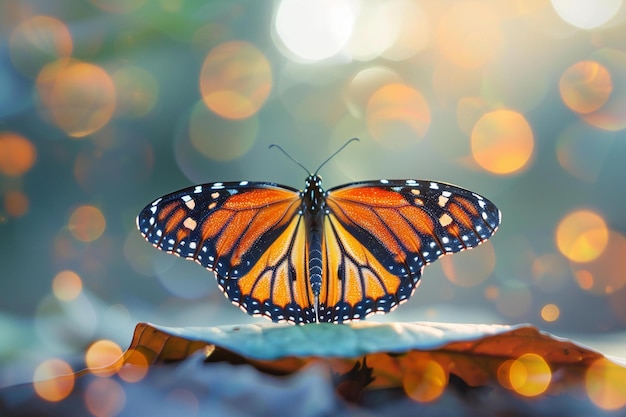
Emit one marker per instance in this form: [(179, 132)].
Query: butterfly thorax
[(313, 196)]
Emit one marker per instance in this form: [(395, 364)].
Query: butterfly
[(314, 255)]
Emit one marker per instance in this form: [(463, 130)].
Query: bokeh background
[(107, 104)]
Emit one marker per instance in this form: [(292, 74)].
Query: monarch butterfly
[(314, 255)]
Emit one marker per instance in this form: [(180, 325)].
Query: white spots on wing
[(446, 194), (384, 181), (189, 202), (153, 209), (445, 240), (411, 182), (445, 219), (159, 233), (434, 185), (190, 223), (242, 183), (484, 215), (482, 204), (464, 238), (198, 189), (432, 244), (478, 196), (171, 241), (151, 221), (396, 189), (157, 201), (217, 186)]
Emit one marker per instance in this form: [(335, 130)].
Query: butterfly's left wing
[(251, 234), (380, 234)]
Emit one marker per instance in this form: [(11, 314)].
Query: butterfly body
[(314, 255)]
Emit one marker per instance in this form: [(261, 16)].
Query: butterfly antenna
[(333, 155), (273, 145)]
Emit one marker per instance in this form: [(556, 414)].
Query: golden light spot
[(87, 223), (16, 203), (445, 219), (469, 270), (415, 191), (235, 80), (605, 383), (530, 375), (221, 139), (17, 154), (607, 273), (397, 115), (190, 223), (135, 366), (611, 115), (137, 91), (425, 381), (550, 312), (80, 96), (53, 380), (469, 34), (37, 41), (503, 374), (582, 235), (442, 201), (212, 205), (418, 201), (104, 358), (104, 397), (585, 86), (67, 285), (502, 142)]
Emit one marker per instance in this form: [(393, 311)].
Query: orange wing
[(379, 235), (250, 234)]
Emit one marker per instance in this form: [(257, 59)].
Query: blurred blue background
[(106, 105)]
